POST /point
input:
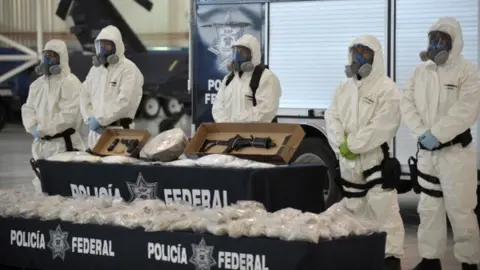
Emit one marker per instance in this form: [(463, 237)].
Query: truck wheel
[(171, 106), (150, 107), (3, 116), (314, 150)]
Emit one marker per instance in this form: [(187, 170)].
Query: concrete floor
[(15, 172)]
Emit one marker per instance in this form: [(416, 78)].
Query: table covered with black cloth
[(296, 186), (50, 245)]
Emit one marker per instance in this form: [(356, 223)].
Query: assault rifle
[(238, 142)]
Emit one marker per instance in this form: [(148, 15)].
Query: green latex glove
[(346, 152), (351, 156)]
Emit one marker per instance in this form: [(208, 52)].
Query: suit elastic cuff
[(102, 122), (349, 142), (31, 129), (437, 134), (421, 132), (40, 130)]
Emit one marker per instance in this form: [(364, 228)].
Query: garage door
[(413, 20), (309, 45)]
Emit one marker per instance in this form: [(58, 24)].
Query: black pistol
[(132, 145)]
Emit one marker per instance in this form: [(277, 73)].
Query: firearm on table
[(238, 142), (129, 144)]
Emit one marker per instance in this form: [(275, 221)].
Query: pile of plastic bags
[(245, 218), (75, 157), (218, 160), (214, 160)]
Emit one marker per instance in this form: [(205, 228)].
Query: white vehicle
[(305, 43)]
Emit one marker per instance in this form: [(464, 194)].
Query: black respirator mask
[(362, 62), (242, 59), (50, 64), (439, 47), (105, 53)]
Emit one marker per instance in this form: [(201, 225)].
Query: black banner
[(35, 244), (218, 28), (296, 186)]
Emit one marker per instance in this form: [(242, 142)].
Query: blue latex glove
[(428, 140), (93, 124), (35, 133)]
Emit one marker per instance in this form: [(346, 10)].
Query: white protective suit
[(431, 103), (53, 104), (232, 104), (112, 93), (368, 111)]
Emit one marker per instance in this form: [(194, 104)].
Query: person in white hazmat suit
[(250, 92), (112, 90), (52, 108), (51, 111), (440, 103), (363, 117)]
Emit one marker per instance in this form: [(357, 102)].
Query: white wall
[(178, 21), (163, 24), (20, 16), (142, 21), (166, 16)]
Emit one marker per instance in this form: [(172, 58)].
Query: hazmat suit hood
[(113, 34), (452, 27), (251, 42), (373, 43), (59, 47)]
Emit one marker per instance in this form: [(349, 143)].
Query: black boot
[(466, 266), (392, 263), (429, 264)]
